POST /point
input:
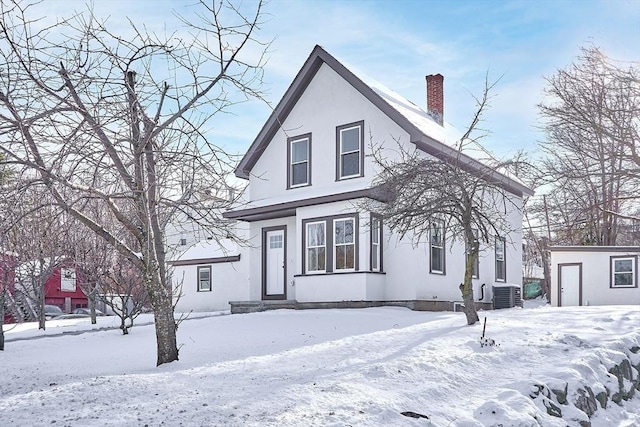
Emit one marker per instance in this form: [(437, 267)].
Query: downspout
[(482, 291)]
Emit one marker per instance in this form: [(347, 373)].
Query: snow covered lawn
[(359, 367)]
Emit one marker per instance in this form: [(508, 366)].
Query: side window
[(349, 151), (316, 247), (436, 244), (624, 272), (501, 264), (204, 278), (299, 161), (376, 241)]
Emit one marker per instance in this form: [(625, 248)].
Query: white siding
[(229, 282)]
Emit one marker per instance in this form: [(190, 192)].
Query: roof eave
[(282, 110), (446, 153)]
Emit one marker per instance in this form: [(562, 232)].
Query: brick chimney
[(435, 97)]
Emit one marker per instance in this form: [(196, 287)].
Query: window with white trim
[(349, 150), (623, 272), (299, 161), (316, 247), (68, 279), (344, 246), (376, 238), (436, 243), (501, 264), (204, 278)]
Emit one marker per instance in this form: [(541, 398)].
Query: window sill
[(293, 187), (345, 178), (333, 273)]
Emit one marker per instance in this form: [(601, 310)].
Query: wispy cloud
[(399, 42)]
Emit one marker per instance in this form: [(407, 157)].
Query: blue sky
[(399, 42)]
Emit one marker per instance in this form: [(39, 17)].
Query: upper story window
[(204, 278), (624, 272), (316, 247), (376, 239), (68, 279), (349, 150), (344, 243), (299, 161), (436, 243), (501, 264)]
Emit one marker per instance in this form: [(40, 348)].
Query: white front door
[(570, 276), (274, 264)]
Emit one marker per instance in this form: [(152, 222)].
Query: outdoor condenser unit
[(507, 296)]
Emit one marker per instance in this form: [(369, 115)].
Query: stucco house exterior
[(594, 275), (309, 242), (209, 274)]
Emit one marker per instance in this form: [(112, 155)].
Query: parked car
[(87, 311), (51, 311)]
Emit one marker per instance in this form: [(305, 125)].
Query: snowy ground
[(359, 367)]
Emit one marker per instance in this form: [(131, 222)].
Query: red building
[(61, 288)]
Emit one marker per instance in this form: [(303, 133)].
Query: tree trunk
[(2, 320), (165, 332), (92, 305), (3, 297), (546, 269), (41, 317), (123, 325), (467, 287)]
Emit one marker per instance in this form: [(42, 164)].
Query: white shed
[(594, 275)]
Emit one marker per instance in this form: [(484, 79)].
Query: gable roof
[(423, 131)]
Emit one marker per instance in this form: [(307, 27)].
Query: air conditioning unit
[(507, 296)]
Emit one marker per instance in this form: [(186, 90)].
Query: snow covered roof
[(425, 132), (36, 266), (209, 251)]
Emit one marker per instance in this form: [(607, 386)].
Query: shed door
[(274, 264), (570, 283)]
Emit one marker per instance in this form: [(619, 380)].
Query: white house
[(594, 275), (309, 167)]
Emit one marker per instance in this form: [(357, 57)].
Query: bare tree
[(121, 289), (123, 119), (421, 191), (6, 260), (37, 242), (6, 282), (94, 257), (592, 123)]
